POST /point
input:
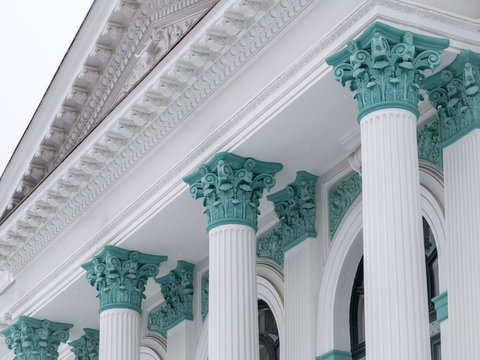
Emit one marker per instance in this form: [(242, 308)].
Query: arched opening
[(357, 306), (268, 333)]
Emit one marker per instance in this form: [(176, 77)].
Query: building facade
[(251, 180)]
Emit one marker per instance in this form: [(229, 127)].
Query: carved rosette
[(340, 197), (204, 306), (86, 348), (384, 66), (120, 276), (177, 290), (295, 207), (232, 187), (31, 338), (454, 92), (270, 245)]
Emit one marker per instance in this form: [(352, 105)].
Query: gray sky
[(34, 37)]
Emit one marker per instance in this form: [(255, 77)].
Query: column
[(120, 276), (173, 319), (454, 92), (232, 187), (31, 338), (86, 347), (295, 207), (384, 66)]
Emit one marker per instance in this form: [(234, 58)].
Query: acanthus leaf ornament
[(455, 93), (270, 245), (232, 187), (295, 207), (31, 338), (177, 290), (204, 295), (86, 347), (385, 65), (120, 276)]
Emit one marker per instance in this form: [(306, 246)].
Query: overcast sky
[(34, 37)]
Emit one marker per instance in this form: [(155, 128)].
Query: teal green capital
[(177, 291), (441, 306), (385, 65), (232, 187), (120, 276), (455, 94), (335, 355), (295, 207), (204, 306), (270, 245), (33, 339), (86, 348)]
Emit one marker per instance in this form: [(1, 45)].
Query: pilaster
[(231, 187), (455, 93), (86, 347), (384, 67), (295, 207), (31, 338)]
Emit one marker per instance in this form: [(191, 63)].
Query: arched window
[(269, 339), (357, 306)]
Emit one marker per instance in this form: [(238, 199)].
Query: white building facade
[(197, 184)]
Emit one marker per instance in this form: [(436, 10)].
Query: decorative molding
[(295, 207), (177, 290), (31, 338), (428, 140), (86, 348), (340, 197), (120, 276), (270, 245), (455, 93), (204, 296), (384, 66), (441, 306), (59, 219), (232, 187)]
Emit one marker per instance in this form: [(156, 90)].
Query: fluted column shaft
[(233, 312), (396, 307), (180, 344), (462, 217), (119, 334)]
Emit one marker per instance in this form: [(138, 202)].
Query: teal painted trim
[(335, 355), (441, 306), (389, 105), (299, 240), (231, 221), (269, 245), (204, 296), (459, 135), (340, 197), (120, 306)]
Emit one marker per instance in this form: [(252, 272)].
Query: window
[(357, 307), (269, 340)]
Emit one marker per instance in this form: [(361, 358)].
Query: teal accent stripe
[(389, 105), (335, 355), (299, 240), (120, 306), (441, 305), (230, 221), (459, 135)]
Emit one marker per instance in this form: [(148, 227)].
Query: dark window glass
[(269, 340)]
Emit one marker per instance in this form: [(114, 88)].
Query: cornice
[(109, 72), (304, 70)]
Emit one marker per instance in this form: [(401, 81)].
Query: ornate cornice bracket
[(384, 66), (31, 338), (232, 187), (455, 93), (177, 290), (86, 347), (120, 276), (295, 207)]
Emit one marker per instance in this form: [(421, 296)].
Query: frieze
[(270, 246), (177, 290)]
